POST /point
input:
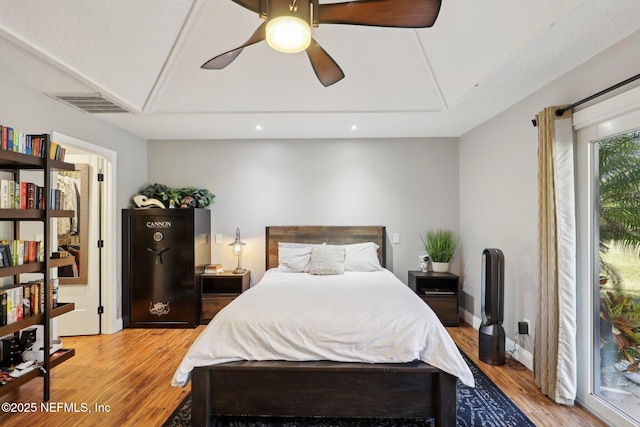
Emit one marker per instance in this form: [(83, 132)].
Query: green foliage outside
[(619, 170), (619, 187)]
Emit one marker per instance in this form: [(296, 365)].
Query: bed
[(293, 345)]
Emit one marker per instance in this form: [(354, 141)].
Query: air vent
[(91, 103)]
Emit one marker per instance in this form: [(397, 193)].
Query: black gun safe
[(164, 252)]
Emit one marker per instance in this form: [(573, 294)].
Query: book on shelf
[(23, 195), (53, 150), (213, 268), (16, 195), (3, 308), (24, 251), (57, 199), (4, 133), (14, 294), (12, 195), (26, 195), (10, 139), (57, 151), (18, 141), (31, 195), (4, 194), (25, 299), (18, 254), (40, 197)]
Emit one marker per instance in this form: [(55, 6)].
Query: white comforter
[(356, 317)]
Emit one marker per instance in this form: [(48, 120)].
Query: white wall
[(498, 183), (24, 109), (407, 185)]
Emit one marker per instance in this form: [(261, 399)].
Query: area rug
[(483, 406)]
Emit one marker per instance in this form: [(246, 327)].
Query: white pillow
[(294, 260), (298, 245), (327, 260), (362, 257)]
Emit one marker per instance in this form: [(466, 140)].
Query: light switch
[(218, 239), (396, 238)]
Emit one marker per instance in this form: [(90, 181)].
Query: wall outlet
[(523, 327)]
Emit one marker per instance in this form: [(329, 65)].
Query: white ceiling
[(478, 59)]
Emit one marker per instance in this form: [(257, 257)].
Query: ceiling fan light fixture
[(288, 34)]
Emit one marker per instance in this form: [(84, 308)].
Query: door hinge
[(101, 243), (101, 310), (100, 177)]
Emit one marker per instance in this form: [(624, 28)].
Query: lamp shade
[(288, 34), (236, 247)]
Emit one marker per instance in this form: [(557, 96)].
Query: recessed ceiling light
[(258, 127), (354, 127)]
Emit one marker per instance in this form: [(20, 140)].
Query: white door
[(85, 319)]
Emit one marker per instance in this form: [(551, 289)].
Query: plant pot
[(440, 267)]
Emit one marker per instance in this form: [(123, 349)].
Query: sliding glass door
[(617, 375), (608, 194)]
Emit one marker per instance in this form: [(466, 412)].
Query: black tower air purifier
[(491, 342)]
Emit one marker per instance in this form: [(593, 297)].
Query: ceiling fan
[(287, 26)]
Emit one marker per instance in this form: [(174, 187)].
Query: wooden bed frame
[(323, 388)]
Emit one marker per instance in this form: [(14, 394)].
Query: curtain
[(554, 369)]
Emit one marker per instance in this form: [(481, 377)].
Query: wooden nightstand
[(441, 291), (219, 289)]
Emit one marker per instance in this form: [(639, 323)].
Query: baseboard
[(517, 352)]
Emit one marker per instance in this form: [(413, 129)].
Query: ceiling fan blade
[(381, 13), (224, 59), (326, 69), (252, 5)]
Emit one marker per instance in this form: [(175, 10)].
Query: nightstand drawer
[(445, 307), (218, 290), (211, 305)]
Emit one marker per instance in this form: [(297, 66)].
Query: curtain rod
[(560, 111)]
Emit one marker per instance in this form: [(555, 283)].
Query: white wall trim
[(111, 320), (608, 109)]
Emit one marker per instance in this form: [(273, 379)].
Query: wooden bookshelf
[(67, 353), (37, 319), (32, 214), (35, 267), (10, 160), (14, 162)]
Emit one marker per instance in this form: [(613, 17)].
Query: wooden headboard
[(331, 235)]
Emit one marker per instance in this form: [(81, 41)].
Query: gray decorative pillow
[(327, 260)]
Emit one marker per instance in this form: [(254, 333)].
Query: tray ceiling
[(145, 55)]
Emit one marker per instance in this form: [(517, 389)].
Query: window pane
[(619, 282)]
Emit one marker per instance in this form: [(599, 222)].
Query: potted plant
[(202, 196), (171, 197), (440, 245)]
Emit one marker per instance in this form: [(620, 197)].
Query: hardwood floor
[(127, 375), (517, 382)]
